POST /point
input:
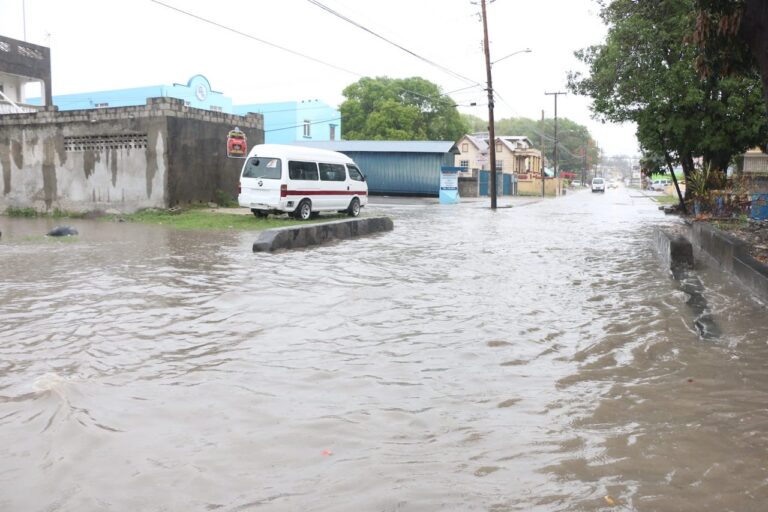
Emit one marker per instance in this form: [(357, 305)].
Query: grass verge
[(202, 218)]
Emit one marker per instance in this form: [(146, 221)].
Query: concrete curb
[(731, 255), (295, 237), (676, 251)]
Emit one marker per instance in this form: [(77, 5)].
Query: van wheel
[(354, 208), (261, 214), (304, 210)]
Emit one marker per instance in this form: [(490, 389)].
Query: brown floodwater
[(532, 358)]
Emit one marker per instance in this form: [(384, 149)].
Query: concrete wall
[(156, 155), (552, 187)]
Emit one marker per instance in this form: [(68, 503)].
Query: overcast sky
[(115, 44)]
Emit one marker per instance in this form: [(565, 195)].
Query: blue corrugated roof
[(382, 146)]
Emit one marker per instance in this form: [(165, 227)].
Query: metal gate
[(485, 183)]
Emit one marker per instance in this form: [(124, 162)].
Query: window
[(354, 173), (499, 165), (101, 105), (307, 126), (332, 130), (216, 108), (302, 171), (187, 103), (464, 147), (263, 167), (498, 147), (332, 172), (464, 164)]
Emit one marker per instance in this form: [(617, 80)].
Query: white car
[(660, 185), (598, 185)]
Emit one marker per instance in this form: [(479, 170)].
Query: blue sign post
[(449, 185)]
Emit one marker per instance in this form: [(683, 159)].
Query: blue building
[(197, 93), (284, 123), (396, 167), (291, 121)]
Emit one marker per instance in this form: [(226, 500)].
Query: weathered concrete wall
[(197, 154), (675, 251), (296, 237), (552, 187), (731, 255), (468, 187), (155, 155)]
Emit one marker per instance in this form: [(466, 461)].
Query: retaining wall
[(731, 255)]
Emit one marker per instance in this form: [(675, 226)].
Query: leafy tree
[(399, 109), (645, 72), (732, 37)]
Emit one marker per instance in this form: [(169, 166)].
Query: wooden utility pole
[(555, 94), (491, 131), (541, 167)]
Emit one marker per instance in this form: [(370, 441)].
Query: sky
[(116, 44)]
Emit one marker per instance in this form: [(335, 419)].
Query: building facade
[(156, 155), (284, 122), (21, 65), (291, 121), (404, 168)]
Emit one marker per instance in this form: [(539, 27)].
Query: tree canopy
[(385, 108), (645, 72), (571, 138)]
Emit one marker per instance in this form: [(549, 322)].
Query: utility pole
[(555, 94), (584, 168), (541, 133), (491, 131), (24, 17)]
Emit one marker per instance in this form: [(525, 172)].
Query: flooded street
[(532, 358)]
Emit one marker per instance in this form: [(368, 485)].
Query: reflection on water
[(533, 358)]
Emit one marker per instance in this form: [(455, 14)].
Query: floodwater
[(532, 358)]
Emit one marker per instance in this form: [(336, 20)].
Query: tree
[(645, 72), (399, 109), (732, 37)]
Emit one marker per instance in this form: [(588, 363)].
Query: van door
[(303, 182), (357, 185), (260, 183), (333, 185)]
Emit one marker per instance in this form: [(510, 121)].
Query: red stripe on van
[(326, 193)]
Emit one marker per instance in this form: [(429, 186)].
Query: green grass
[(21, 212), (199, 218), (666, 199)]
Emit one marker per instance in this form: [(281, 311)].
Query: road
[(530, 358)]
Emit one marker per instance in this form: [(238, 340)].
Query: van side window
[(262, 167), (354, 173), (302, 170), (332, 172)]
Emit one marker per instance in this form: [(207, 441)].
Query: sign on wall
[(237, 144)]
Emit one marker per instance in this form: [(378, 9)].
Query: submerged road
[(531, 358)]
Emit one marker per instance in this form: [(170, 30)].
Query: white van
[(300, 181)]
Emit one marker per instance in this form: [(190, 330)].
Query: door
[(485, 178), (303, 182)]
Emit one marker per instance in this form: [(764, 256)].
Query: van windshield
[(263, 167), (597, 181)]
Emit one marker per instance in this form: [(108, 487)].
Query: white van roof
[(299, 152)]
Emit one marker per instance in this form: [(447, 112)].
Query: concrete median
[(295, 237)]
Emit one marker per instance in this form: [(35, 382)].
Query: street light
[(526, 50)]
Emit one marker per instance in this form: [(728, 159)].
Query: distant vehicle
[(237, 145), (659, 185), (613, 184), (575, 183), (300, 181), (598, 185)]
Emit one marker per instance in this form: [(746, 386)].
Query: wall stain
[(113, 166), (49, 171), (18, 154), (89, 163), (5, 161)]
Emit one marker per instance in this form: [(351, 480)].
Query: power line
[(302, 124), (396, 45), (235, 31)]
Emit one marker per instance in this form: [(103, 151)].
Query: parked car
[(575, 183), (659, 185), (598, 185)]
